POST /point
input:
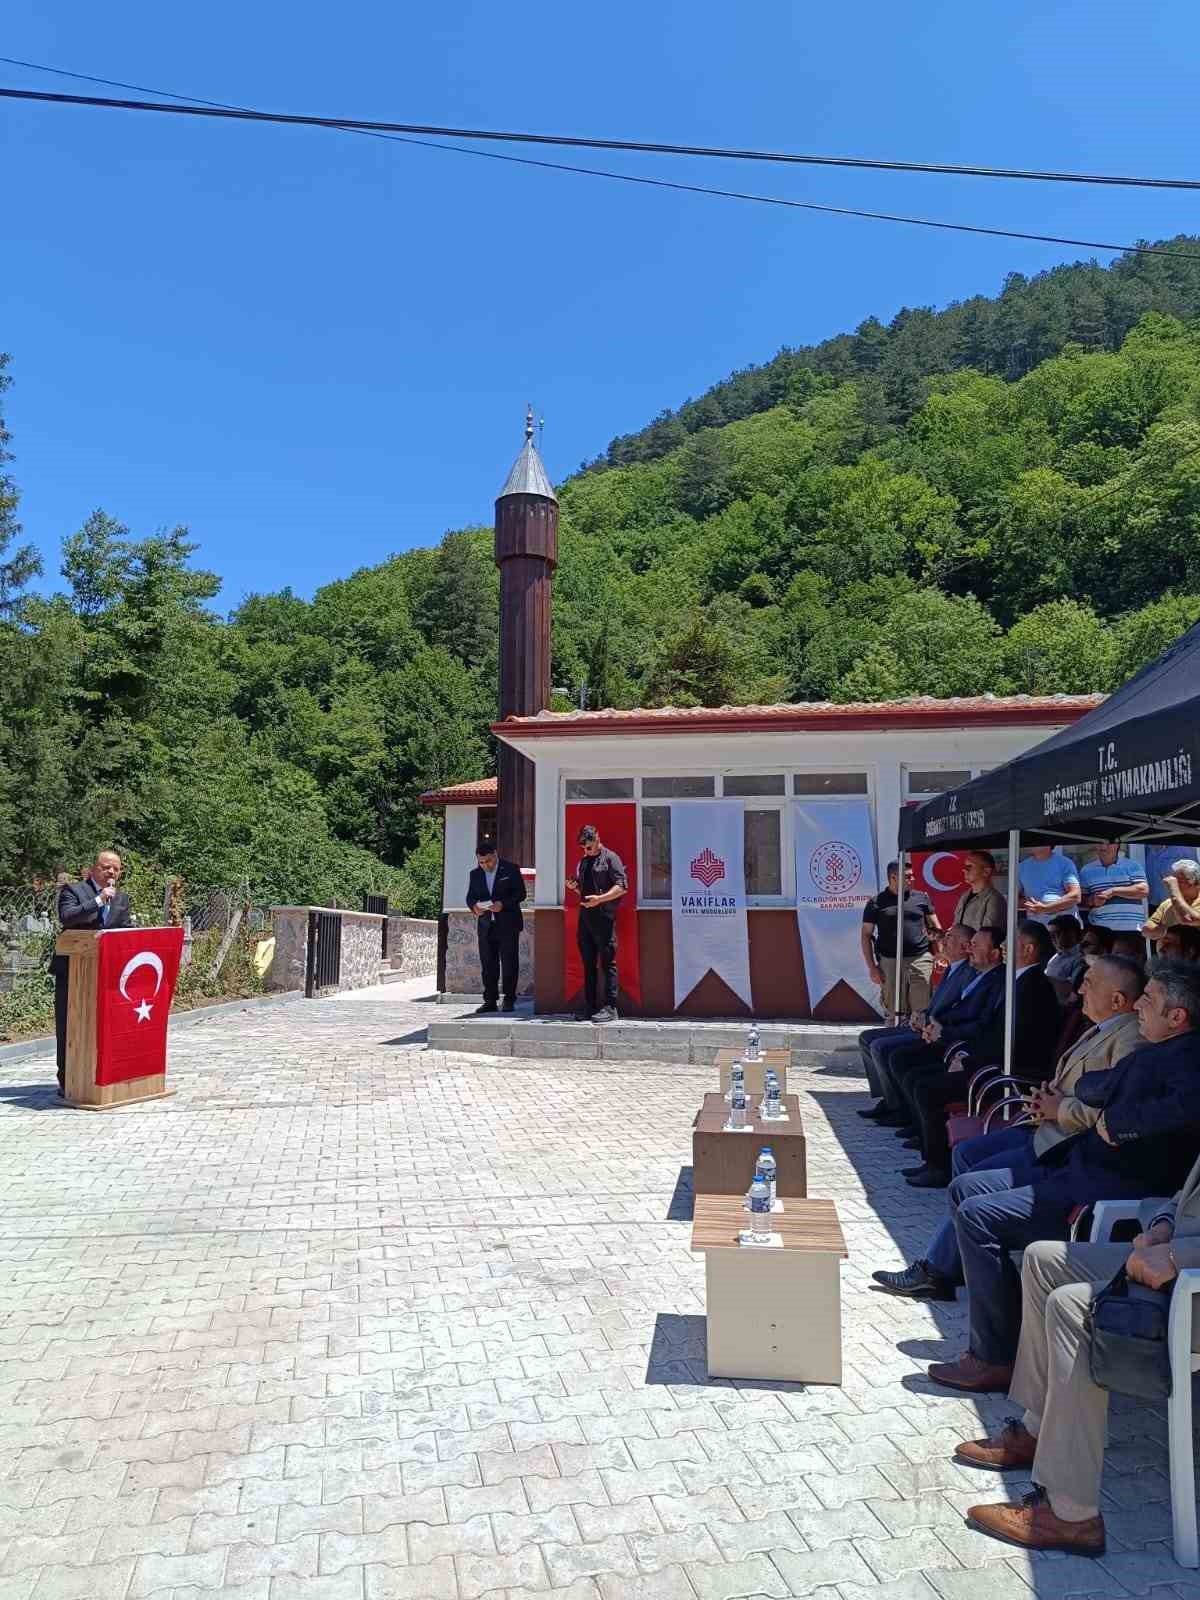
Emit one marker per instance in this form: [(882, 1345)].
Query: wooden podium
[(121, 984)]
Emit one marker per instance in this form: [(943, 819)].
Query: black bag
[(1127, 1326)]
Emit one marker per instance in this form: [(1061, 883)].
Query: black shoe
[(605, 1014), (486, 1009), (582, 1016), (911, 1172), (911, 1144), (892, 1119), (905, 1131), (509, 1005), (916, 1283), (875, 1112), (929, 1178)]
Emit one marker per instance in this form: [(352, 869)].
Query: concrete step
[(686, 1041), (390, 975)]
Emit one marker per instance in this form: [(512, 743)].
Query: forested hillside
[(1003, 496)]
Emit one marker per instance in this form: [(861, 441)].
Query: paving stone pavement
[(347, 1319)]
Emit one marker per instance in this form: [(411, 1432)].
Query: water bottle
[(765, 1171), (759, 1201), (772, 1103), (737, 1078), (737, 1106), (752, 1050)]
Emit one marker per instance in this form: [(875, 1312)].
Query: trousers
[(1008, 1157), (597, 940), (499, 961), (883, 1038), (62, 994), (1064, 1409)]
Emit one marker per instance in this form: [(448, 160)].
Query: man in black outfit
[(93, 903), (494, 896), (600, 882)]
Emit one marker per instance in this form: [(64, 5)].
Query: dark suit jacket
[(947, 993), (971, 1021), (1151, 1106), (508, 889), (1036, 1027), (77, 909)]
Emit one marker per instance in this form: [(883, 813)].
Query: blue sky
[(315, 349)]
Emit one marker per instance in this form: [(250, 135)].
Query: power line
[(373, 132), (643, 147)]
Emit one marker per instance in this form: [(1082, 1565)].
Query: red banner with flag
[(135, 984), (618, 829), (939, 874)]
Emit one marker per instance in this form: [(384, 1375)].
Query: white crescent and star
[(144, 958), (931, 877)]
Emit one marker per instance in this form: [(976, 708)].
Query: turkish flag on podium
[(121, 983), (135, 982)]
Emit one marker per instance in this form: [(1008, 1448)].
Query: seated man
[(1144, 1141), (1111, 988), (874, 1043), (1179, 943), (1129, 944), (1061, 1434), (930, 1090), (1066, 964), (973, 1015)]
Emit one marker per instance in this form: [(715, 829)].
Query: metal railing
[(323, 964)]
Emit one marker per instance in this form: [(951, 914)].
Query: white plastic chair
[(1184, 1361)]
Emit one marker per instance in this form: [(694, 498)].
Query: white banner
[(836, 874), (708, 897)]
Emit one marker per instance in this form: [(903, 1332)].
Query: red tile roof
[(814, 716), (478, 792)]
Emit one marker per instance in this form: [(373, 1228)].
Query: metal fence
[(29, 919)]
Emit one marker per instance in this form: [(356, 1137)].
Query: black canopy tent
[(1128, 770)]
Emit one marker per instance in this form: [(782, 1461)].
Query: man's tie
[(104, 910)]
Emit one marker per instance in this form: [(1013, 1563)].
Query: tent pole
[(898, 992), (1010, 969)]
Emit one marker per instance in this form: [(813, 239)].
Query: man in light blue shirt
[(1049, 885), (1114, 890)]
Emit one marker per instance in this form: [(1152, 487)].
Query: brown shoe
[(1033, 1525), (972, 1374), (1014, 1446)]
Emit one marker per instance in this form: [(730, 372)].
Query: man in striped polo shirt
[(1114, 890)]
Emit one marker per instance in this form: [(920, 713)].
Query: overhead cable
[(578, 142)]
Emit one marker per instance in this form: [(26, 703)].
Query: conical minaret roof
[(528, 475)]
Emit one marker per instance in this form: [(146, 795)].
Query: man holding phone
[(599, 881), (494, 895)]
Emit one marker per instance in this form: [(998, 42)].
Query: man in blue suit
[(1143, 1144), (876, 1043), (969, 1022)]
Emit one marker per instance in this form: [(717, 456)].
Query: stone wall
[(462, 955), (290, 927), (362, 949), (412, 945), (362, 943)]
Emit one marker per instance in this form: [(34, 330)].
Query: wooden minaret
[(527, 554)]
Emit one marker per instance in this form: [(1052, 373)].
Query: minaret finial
[(529, 423)]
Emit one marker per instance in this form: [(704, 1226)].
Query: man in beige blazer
[(1061, 1434), (1004, 1159)]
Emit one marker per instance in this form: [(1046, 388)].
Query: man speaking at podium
[(95, 903)]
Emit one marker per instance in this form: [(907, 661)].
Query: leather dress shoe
[(916, 1283), (972, 1375), (875, 1112), (929, 1178), (1033, 1525), (1013, 1447)]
